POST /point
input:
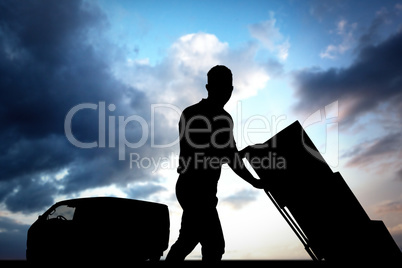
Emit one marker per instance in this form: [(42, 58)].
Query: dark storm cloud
[(12, 239), (373, 80), (53, 57), (46, 64), (383, 148), (375, 77)]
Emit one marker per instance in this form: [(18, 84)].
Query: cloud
[(53, 57), (185, 67), (370, 86), (271, 37), (142, 191), (374, 33), (380, 150), (346, 32), (241, 198), (390, 207), (372, 79)]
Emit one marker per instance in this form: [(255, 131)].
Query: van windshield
[(62, 212)]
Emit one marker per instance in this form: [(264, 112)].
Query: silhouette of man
[(206, 143)]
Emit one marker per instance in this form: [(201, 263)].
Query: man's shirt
[(206, 140)]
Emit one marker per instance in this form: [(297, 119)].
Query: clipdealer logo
[(112, 130)]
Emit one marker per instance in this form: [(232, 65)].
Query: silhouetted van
[(99, 228)]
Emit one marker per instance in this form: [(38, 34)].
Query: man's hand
[(258, 184)]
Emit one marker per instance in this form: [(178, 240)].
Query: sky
[(92, 92)]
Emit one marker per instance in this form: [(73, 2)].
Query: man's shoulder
[(203, 111), (202, 107), (195, 109)]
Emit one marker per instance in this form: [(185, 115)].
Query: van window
[(62, 212)]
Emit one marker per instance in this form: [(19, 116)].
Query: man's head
[(220, 84)]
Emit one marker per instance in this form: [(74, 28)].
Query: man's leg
[(212, 240), (188, 237)]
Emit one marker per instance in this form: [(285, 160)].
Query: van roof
[(118, 201)]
